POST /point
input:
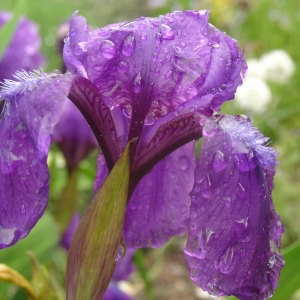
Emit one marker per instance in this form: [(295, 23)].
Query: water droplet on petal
[(195, 273), (128, 46), (245, 162), (7, 235), (127, 111), (123, 66), (150, 119), (167, 32), (227, 202), (144, 36), (241, 191), (121, 253), (209, 129), (108, 49), (184, 162), (219, 161), (206, 187), (137, 84), (226, 261), (23, 210), (222, 88)]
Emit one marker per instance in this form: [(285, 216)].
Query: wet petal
[(234, 231), (23, 51), (159, 206), (31, 109), (153, 65)]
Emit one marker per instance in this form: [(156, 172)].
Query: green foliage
[(41, 241), (290, 275)]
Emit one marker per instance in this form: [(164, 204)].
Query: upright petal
[(151, 66), (234, 232), (159, 206), (31, 109), (23, 51)]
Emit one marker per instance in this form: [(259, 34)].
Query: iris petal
[(25, 128), (234, 231), (152, 66), (159, 206)]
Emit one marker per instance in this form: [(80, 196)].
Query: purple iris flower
[(73, 135), (159, 82), (23, 50)]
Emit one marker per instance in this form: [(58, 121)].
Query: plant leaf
[(97, 240), (289, 275)]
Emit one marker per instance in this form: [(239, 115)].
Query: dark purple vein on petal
[(168, 137), (85, 96)]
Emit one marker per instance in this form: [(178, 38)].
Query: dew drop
[(195, 273), (128, 46), (106, 84), (108, 49), (241, 191), (167, 32), (184, 162), (219, 161), (245, 162), (170, 19), (121, 253), (150, 119), (222, 88), (227, 201), (137, 84), (226, 265), (144, 36), (209, 129), (123, 66), (7, 235), (206, 187), (23, 210), (127, 111)]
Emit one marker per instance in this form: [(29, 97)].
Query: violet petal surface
[(25, 128), (234, 231), (151, 66), (23, 51), (159, 206)]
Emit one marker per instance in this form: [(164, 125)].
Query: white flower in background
[(278, 66), (255, 68), (156, 3), (254, 95)]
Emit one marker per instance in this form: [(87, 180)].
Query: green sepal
[(98, 238)]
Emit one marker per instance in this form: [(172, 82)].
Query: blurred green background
[(259, 25)]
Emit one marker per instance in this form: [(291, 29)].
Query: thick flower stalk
[(159, 83)]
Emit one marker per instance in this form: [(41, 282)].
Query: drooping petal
[(23, 51), (234, 231), (159, 206), (151, 66), (31, 109)]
